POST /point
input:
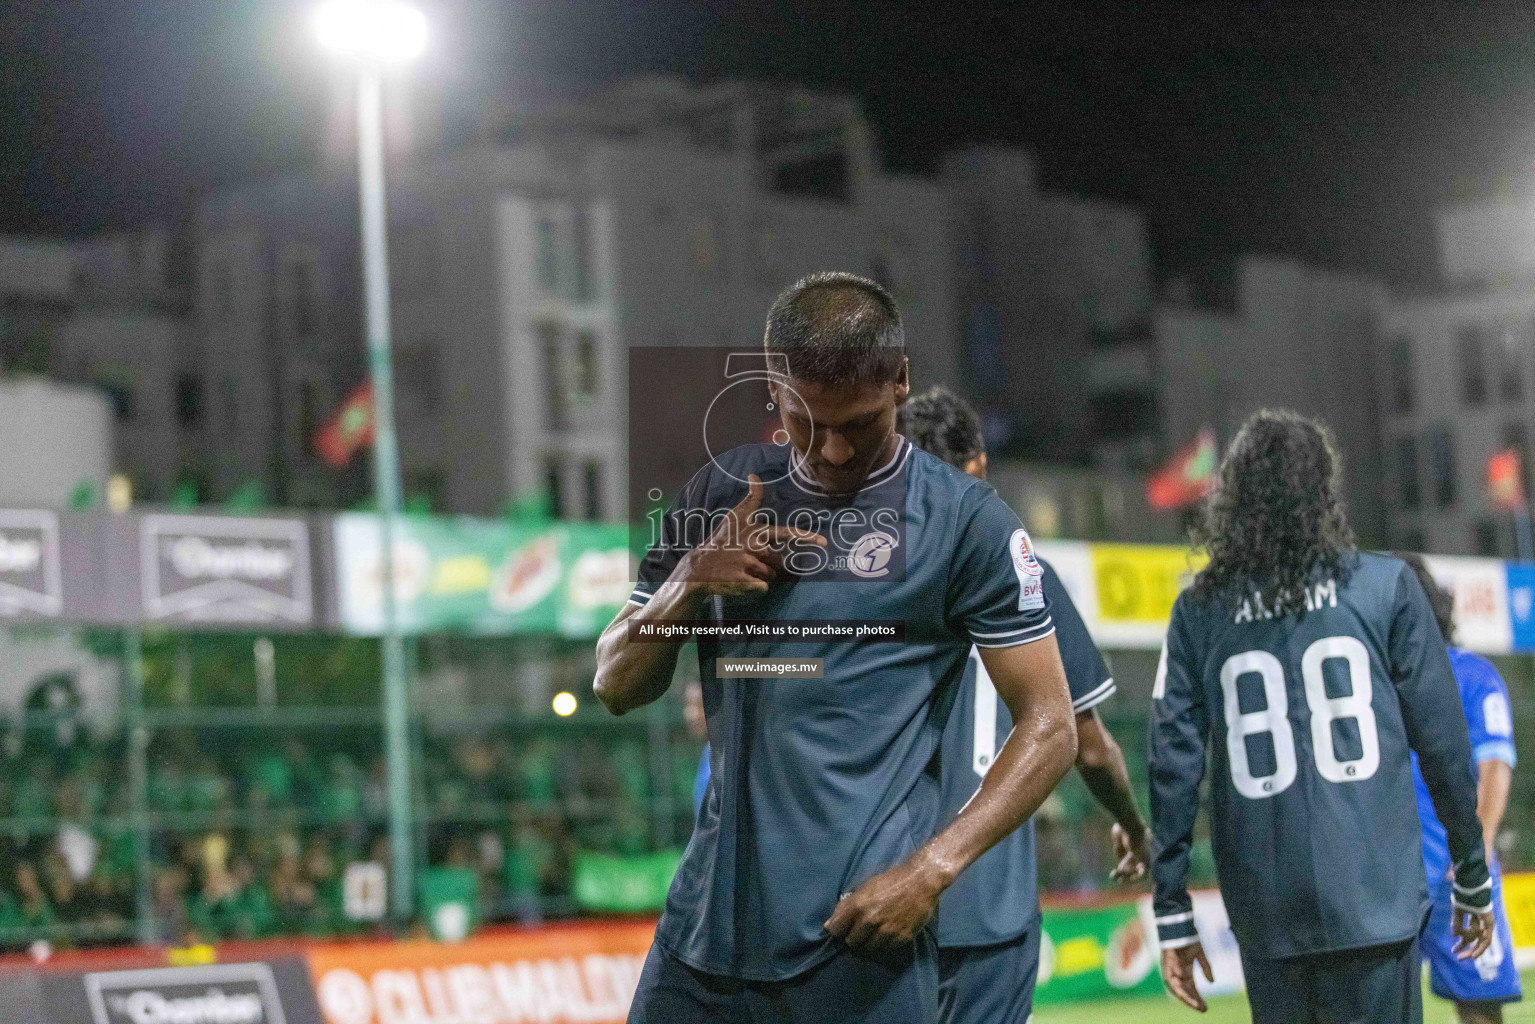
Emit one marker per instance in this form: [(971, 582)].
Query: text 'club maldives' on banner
[(575, 974)]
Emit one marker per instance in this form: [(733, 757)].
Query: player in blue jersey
[(1309, 672), (1479, 987), (988, 921), (807, 889)]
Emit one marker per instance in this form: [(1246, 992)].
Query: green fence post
[(138, 785)]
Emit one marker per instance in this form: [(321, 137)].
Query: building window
[(1510, 368), (1485, 537), (309, 409), (580, 229), (305, 314), (1402, 392), (766, 251), (1473, 364), (223, 291), (591, 479), (704, 245), (419, 379), (1516, 437), (1441, 465), (1407, 472), (554, 485), (555, 392), (189, 399), (229, 405), (587, 379), (547, 255)]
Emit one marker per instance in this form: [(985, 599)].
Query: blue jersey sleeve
[(996, 593), (1177, 737), (1086, 674), (1436, 732), (1485, 697)]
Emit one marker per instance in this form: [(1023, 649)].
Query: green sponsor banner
[(1094, 954), (628, 885), (482, 576)]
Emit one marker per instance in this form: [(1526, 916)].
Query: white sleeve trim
[(1187, 915), (1012, 632), (1187, 940), (1020, 639), (1093, 698)]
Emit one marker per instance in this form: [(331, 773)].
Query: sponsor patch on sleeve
[(1031, 582)]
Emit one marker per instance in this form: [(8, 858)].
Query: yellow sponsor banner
[(1519, 902), (1138, 583)]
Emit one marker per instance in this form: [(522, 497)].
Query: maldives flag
[(349, 429), (1187, 477), (1504, 479)]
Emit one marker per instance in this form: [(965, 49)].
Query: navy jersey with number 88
[(1309, 723)]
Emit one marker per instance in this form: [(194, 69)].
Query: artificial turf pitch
[(1233, 1010)]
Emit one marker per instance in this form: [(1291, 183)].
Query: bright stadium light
[(386, 31), (564, 704)]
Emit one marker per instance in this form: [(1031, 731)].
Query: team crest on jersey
[(869, 556), (1031, 584)]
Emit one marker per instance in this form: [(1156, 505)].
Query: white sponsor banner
[(1480, 586), (1072, 561)]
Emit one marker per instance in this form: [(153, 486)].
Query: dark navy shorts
[(988, 984), (1370, 985), (894, 986)]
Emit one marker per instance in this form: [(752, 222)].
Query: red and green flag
[(1505, 480), (1188, 477), (351, 428)]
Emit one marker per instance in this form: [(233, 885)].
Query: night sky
[(1327, 136)]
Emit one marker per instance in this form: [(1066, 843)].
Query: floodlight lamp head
[(377, 31)]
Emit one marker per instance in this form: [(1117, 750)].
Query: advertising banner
[(1135, 586), (1096, 954), (579, 974), (1480, 586), (481, 576), (1521, 604), (274, 991), (225, 570)]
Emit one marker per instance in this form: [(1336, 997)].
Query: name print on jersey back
[(1313, 808)]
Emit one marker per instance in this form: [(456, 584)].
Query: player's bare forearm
[(1101, 763), (892, 907), (631, 674), (1040, 750), (1492, 784)]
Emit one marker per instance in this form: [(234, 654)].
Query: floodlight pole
[(386, 482)]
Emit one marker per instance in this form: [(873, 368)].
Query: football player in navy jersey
[(988, 921), (1478, 987), (814, 871), (1309, 673)]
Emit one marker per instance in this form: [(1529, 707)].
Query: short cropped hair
[(837, 330), (943, 424)]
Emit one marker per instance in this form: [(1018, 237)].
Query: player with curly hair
[(1311, 672)]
